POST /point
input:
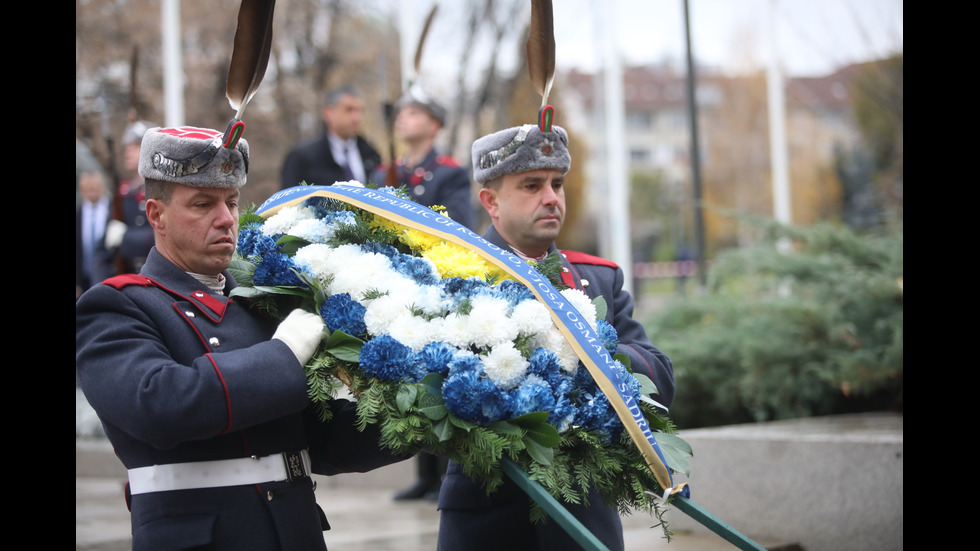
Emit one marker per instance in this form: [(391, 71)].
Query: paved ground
[(352, 503), (102, 521)]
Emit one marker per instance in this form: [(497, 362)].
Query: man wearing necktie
[(93, 262), (340, 153)]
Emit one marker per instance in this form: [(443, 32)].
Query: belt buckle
[(295, 468)]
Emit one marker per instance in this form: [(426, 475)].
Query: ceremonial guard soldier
[(433, 178), (204, 400), (522, 170)]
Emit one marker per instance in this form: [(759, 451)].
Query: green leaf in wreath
[(246, 292), (343, 346), (464, 424), (289, 244), (432, 382), (443, 429), (432, 406), (538, 452), (405, 398), (646, 384), (535, 425), (676, 452), (600, 307), (242, 270), (505, 428), (625, 360)]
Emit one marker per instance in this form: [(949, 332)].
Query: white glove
[(302, 332), (114, 232)]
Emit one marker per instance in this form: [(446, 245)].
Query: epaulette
[(447, 160), (576, 257), (125, 280)]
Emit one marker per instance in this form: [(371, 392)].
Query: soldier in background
[(431, 177), (129, 233)]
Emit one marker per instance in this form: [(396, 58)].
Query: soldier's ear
[(156, 214), (488, 198)]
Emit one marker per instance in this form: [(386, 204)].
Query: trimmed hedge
[(807, 322)]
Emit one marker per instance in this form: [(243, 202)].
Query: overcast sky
[(814, 37)]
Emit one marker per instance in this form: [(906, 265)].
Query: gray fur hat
[(520, 149), (193, 157)]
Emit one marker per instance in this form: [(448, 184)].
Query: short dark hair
[(160, 190), (494, 183), (333, 96)]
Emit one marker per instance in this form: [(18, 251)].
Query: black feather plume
[(541, 48), (250, 57)]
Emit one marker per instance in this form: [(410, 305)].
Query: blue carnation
[(253, 244), (276, 269), (597, 415), (458, 289), (385, 358), (467, 389), (514, 292), (497, 405), (340, 313), (435, 357), (545, 364), (607, 333), (418, 269), (533, 394)]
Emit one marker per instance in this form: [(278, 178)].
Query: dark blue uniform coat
[(437, 180), (178, 373), (138, 239), (473, 521)]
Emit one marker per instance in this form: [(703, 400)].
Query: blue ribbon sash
[(573, 325)]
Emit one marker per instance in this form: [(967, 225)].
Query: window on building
[(639, 120), (640, 156)]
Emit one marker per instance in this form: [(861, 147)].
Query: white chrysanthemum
[(415, 332), (399, 285), (357, 272), (582, 303), (313, 230), (428, 300), (488, 323), (455, 330), (505, 366), (285, 219), (315, 258), (383, 312), (531, 317)]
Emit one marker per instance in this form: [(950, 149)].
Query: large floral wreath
[(446, 352)]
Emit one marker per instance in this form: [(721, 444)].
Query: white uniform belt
[(286, 466)]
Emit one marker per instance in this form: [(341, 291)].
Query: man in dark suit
[(203, 398), (522, 170), (93, 260), (340, 153)]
